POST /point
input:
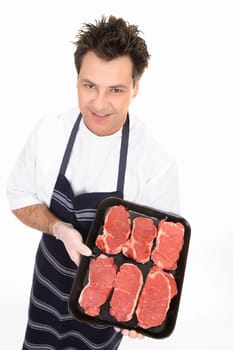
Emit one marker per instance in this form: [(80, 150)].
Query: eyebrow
[(117, 86)]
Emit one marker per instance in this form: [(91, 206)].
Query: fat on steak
[(102, 272), (127, 286), (139, 246), (116, 230)]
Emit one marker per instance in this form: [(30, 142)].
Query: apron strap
[(123, 151), (123, 156), (69, 146)]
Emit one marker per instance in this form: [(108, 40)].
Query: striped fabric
[(65, 202), (50, 325)]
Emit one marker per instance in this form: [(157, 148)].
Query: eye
[(116, 90), (89, 85)]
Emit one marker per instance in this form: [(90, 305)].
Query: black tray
[(81, 279)]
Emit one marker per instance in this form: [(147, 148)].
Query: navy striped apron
[(50, 326)]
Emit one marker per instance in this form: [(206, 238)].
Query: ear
[(136, 87)]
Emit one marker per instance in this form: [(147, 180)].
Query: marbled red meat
[(155, 298), (116, 230), (139, 246), (102, 272), (169, 242), (127, 286)]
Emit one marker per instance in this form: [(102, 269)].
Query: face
[(105, 91)]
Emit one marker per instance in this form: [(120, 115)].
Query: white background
[(185, 98)]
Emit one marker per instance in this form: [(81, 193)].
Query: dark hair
[(110, 38)]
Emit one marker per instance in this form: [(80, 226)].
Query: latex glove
[(72, 240)]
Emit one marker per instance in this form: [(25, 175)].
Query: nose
[(100, 103)]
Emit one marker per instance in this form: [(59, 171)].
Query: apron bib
[(50, 326)]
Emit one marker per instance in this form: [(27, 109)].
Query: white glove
[(72, 240)]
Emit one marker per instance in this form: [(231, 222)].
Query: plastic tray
[(81, 279)]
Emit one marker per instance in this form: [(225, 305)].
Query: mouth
[(101, 115)]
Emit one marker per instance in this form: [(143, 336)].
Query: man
[(74, 160)]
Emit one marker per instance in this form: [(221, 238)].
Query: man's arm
[(39, 217)]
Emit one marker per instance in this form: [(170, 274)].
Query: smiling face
[(105, 91)]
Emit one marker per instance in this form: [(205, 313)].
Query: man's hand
[(130, 333), (72, 240)]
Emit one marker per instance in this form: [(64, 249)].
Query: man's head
[(110, 58), (109, 38)]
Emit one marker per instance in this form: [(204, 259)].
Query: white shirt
[(151, 172)]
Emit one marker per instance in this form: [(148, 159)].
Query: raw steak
[(138, 247), (116, 230), (155, 298), (169, 243), (102, 272), (127, 287)]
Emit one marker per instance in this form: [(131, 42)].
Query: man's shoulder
[(62, 120), (144, 141), (66, 116), (140, 133)]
